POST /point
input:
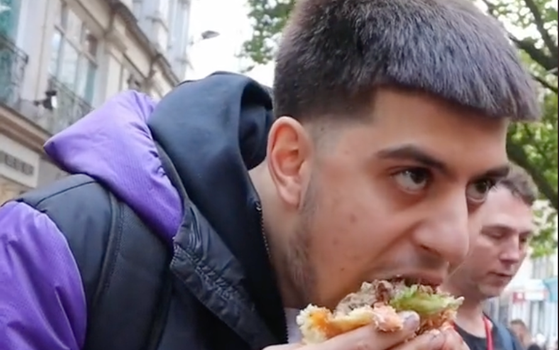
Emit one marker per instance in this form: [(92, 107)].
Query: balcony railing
[(69, 106), (12, 69)]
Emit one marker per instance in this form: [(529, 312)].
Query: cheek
[(482, 252), (352, 227), (343, 235), (523, 255), (348, 235)]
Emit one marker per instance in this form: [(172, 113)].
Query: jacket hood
[(114, 145), (213, 130)]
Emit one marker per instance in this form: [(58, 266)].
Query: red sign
[(518, 297)]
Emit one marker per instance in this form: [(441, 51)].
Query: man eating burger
[(388, 131)]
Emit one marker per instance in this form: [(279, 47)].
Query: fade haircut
[(334, 54), (520, 184)]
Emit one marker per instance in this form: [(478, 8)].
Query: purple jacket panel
[(113, 144), (42, 304)]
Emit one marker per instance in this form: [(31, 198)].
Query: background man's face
[(520, 332), (499, 250), (393, 196)]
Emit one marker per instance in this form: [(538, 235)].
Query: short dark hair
[(335, 53), (518, 322), (520, 184)]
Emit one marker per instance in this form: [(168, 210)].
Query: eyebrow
[(418, 155), (506, 230), (497, 228)]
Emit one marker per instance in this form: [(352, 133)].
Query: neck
[(525, 340), (273, 218), (470, 317)]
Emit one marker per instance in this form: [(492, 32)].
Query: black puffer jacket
[(220, 255), (215, 290)]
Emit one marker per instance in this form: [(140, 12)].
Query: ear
[(289, 158)]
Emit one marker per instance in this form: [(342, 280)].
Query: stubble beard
[(300, 270)]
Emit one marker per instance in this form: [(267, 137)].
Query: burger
[(379, 304)]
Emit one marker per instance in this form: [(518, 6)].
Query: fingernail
[(437, 338), (411, 320)]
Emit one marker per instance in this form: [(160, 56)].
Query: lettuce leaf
[(414, 298)]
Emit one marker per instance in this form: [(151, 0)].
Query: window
[(9, 18), (129, 78), (74, 50), (156, 93), (164, 7), (170, 22), (137, 6), (178, 26)]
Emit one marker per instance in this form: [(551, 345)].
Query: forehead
[(458, 137), (391, 107), (505, 210)]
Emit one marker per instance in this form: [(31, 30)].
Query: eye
[(493, 234), (476, 192), (525, 239), (412, 180)]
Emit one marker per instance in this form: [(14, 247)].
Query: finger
[(370, 338), (453, 341), (433, 340)]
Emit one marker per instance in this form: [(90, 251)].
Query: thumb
[(368, 337)]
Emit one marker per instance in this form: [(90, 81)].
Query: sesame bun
[(378, 304)]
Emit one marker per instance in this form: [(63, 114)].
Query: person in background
[(519, 328), (506, 226)]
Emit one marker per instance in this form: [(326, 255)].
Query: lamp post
[(209, 34), (205, 35)]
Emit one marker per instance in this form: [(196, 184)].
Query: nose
[(445, 232), (512, 251)]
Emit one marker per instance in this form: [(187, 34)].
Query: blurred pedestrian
[(496, 253), (522, 332)]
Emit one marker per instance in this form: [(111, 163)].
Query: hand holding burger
[(378, 304), (370, 338), (383, 315)]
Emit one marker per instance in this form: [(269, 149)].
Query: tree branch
[(491, 8), (518, 155), (547, 62), (539, 22), (545, 84)]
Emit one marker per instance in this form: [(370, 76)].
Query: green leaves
[(269, 17), (417, 299), (532, 26), (545, 241)]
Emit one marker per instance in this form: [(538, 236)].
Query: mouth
[(433, 281), (503, 275)]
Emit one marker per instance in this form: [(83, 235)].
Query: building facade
[(59, 59)]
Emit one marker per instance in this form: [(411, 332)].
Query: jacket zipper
[(267, 246)]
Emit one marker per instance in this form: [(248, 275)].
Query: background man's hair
[(335, 53), (520, 184), (518, 322)]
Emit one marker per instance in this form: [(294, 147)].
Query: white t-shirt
[(293, 332)]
